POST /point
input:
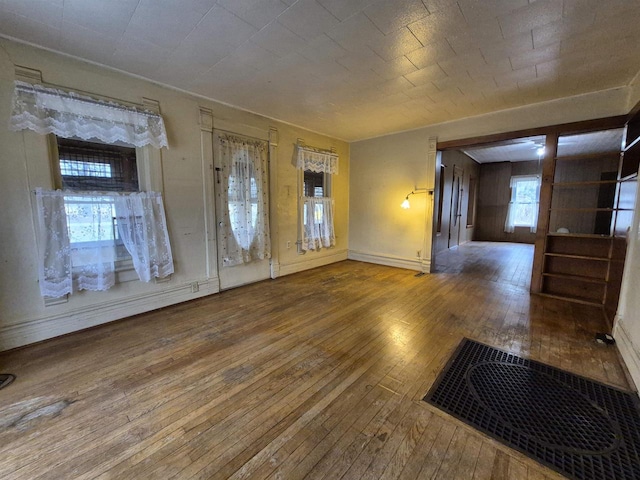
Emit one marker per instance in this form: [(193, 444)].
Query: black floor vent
[(576, 426)]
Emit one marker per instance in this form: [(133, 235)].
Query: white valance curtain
[(67, 114), (77, 239), (318, 231), (245, 221), (316, 160)]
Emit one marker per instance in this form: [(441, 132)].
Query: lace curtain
[(67, 114), (78, 239), (245, 221), (143, 229), (317, 161), (318, 229)]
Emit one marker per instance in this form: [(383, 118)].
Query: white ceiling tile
[(483, 10), (85, 43), (278, 40), (258, 13), (42, 11), (322, 48), (355, 33), (109, 18), (521, 43), (512, 78), (221, 26), (361, 62), (474, 36), (461, 64), (138, 56), (29, 30), (431, 53), (395, 68), (537, 14), (437, 26), (537, 55), (164, 25), (390, 15), (307, 19), (396, 44), (343, 10), (425, 75)]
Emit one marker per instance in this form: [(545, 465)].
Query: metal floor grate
[(581, 428)]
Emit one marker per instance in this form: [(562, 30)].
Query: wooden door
[(233, 203)]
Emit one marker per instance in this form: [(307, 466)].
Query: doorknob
[(220, 224)]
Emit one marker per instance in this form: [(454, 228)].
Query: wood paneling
[(314, 375), (494, 195), (451, 160)]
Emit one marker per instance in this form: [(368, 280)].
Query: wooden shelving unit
[(587, 206)]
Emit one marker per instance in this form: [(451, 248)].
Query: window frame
[(327, 188), (515, 179), (149, 167)]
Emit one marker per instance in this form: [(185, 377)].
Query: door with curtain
[(456, 207), (241, 184)]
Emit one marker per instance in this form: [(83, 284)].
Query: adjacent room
[(319, 239)]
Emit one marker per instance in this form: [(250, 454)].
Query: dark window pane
[(87, 166), (314, 184)]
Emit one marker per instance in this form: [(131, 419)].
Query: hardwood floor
[(317, 375)]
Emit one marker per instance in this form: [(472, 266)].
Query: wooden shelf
[(571, 299), (576, 278), (580, 235), (577, 257)]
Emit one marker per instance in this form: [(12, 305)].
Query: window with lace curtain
[(92, 167), (316, 205)]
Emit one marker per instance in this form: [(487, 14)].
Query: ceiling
[(352, 69), (526, 149)]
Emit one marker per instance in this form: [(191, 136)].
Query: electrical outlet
[(418, 252), (288, 245), (195, 287)]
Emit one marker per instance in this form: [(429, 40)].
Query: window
[(84, 167), (314, 184), (471, 202), (314, 187), (523, 207)]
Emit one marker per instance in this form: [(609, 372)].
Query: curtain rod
[(316, 149), (239, 134), (63, 92)]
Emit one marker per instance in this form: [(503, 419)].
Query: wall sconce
[(405, 204)]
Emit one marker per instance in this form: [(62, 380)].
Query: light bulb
[(405, 204)]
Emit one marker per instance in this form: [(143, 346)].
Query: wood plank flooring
[(317, 375)]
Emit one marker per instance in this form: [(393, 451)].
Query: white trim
[(391, 260), (38, 329), (312, 262), (629, 353)]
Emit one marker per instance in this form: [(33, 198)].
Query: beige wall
[(24, 165)]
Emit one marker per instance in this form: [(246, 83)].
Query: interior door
[(239, 211), (456, 207)]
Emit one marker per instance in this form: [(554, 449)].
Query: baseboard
[(421, 265), (310, 261), (629, 353), (38, 329)]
